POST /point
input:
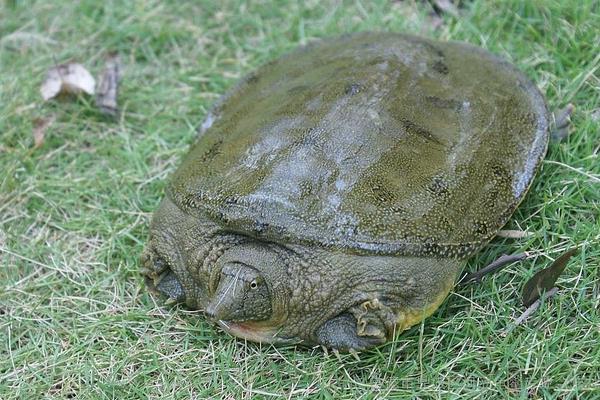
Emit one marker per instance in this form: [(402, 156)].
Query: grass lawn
[(75, 319)]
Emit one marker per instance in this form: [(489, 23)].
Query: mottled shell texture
[(372, 142)]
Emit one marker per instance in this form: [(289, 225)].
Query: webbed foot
[(364, 326), (340, 333), (374, 318)]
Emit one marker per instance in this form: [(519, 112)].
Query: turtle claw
[(354, 354), (337, 354), (170, 301), (325, 349)]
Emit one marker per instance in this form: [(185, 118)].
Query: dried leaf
[(513, 234), (435, 21), (108, 86), (411, 12), (40, 125), (70, 78), (561, 123), (444, 6), (544, 280)]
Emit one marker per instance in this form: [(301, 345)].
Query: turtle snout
[(211, 312)]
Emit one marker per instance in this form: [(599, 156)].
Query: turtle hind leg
[(340, 333), (561, 121)]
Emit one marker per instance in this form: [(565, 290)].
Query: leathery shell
[(372, 142)]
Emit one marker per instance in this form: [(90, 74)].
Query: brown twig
[(513, 234), (493, 267), (530, 310)]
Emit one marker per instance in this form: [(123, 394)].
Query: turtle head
[(241, 294), (249, 292)]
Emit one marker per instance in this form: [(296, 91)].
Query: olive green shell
[(372, 142)]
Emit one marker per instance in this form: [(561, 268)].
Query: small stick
[(493, 267), (513, 234), (530, 310)]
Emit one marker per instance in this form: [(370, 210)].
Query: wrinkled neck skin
[(212, 267), (276, 293)]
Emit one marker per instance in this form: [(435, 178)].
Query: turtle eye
[(253, 284)]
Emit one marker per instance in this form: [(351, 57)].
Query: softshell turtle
[(334, 195)]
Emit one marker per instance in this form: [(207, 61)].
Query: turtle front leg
[(160, 278), (341, 333), (363, 326)]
